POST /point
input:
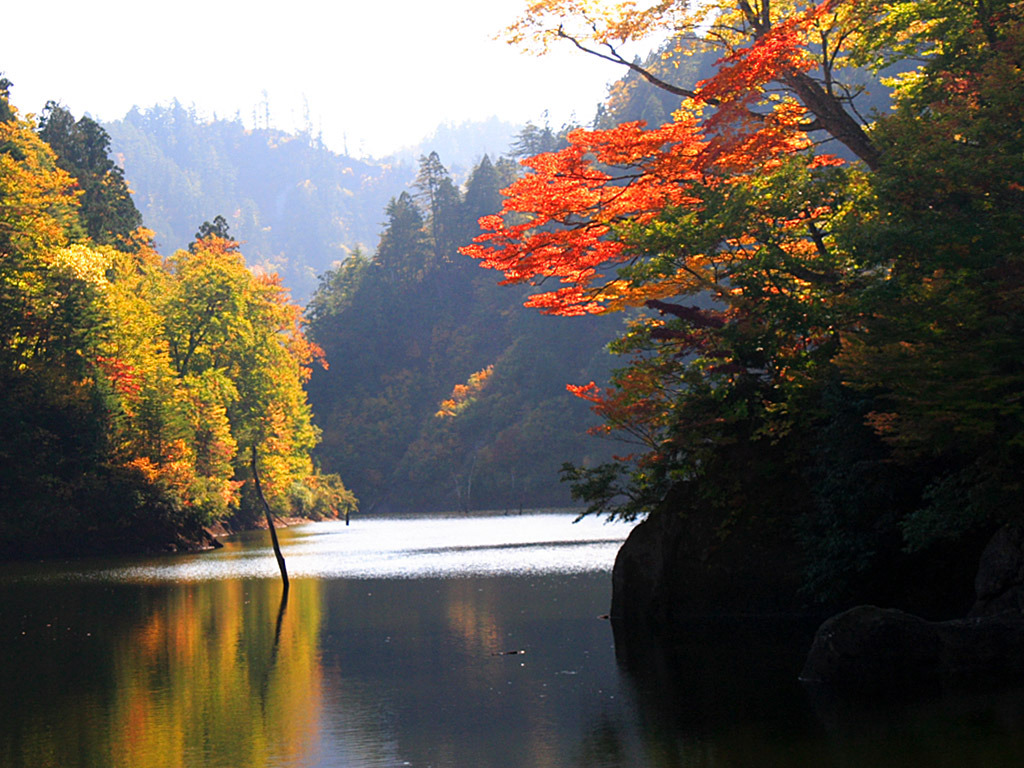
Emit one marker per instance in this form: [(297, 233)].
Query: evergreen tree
[(6, 113), (217, 228), (107, 212), (483, 190), (533, 141), (441, 198), (402, 255)]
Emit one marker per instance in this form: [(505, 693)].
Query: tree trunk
[(270, 520)]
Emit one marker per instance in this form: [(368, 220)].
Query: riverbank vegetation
[(135, 387), (824, 347)]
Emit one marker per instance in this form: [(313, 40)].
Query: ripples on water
[(389, 547)]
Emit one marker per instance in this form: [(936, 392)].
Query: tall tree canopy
[(802, 303)]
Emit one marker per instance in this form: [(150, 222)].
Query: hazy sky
[(377, 75)]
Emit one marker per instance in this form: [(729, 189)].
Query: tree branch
[(616, 58)]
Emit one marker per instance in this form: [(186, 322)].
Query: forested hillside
[(141, 394), (443, 392), (406, 323), (295, 205)]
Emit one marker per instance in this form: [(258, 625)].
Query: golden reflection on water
[(202, 674), (206, 671), (471, 618)]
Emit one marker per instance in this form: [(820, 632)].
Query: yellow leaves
[(596, 21), (172, 470), (617, 295), (85, 263), (38, 201)]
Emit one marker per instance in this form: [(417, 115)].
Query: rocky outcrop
[(673, 567), (871, 648), (874, 648), (639, 581), (999, 585)]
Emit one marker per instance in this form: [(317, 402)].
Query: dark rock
[(676, 566), (999, 585), (638, 578), (870, 648)]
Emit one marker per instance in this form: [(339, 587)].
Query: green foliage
[(632, 98), (107, 212), (6, 113), (534, 140), (217, 228)]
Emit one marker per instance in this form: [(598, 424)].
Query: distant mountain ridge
[(297, 206)]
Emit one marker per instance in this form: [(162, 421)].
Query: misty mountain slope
[(297, 207)]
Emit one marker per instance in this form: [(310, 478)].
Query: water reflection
[(158, 663), (160, 676), (446, 691), (190, 662)]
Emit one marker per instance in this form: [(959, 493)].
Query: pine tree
[(107, 213)]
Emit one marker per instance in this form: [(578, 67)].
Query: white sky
[(381, 75)]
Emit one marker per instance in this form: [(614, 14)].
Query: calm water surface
[(463, 641)]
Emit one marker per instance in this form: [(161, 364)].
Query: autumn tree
[(939, 339), (237, 342), (782, 282), (133, 383)]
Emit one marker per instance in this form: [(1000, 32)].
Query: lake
[(473, 641)]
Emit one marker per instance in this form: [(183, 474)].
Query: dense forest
[(141, 394), (445, 393), (432, 388), (404, 327)]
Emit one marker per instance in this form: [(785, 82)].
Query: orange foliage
[(464, 394), (573, 206), (565, 218)]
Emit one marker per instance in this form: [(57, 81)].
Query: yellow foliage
[(38, 201), (88, 264)]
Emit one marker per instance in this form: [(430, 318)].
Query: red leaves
[(562, 220), (589, 391), (743, 74), (559, 221), (121, 374)]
